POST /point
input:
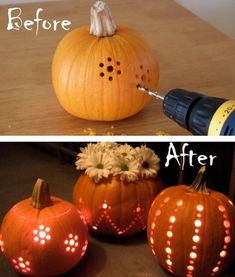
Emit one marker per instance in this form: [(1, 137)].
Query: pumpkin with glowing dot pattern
[(95, 72), (191, 229), (115, 207), (43, 235)]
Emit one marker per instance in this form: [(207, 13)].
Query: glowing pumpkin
[(43, 235), (191, 229), (95, 73), (113, 206)]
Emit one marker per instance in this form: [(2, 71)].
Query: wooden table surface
[(192, 55)]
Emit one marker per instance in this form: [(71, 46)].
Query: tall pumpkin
[(191, 230), (115, 207), (96, 70), (43, 235)]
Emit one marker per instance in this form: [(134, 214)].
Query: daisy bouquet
[(105, 159)]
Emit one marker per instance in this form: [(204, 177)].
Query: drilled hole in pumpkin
[(101, 65), (141, 67), (110, 78), (102, 74), (110, 68), (143, 77), (118, 63), (109, 59), (148, 71), (119, 72), (137, 76), (149, 80)]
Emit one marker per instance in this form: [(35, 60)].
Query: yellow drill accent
[(220, 116)]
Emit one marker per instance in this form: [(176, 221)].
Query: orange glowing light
[(215, 269), (230, 202), (168, 250), (227, 239), (223, 254), (179, 203), (169, 262), (190, 267), (193, 255), (166, 199), (227, 224), (198, 223), (153, 225), (138, 209), (104, 205), (151, 240), (42, 234), (221, 208), (200, 208), (71, 243), (196, 238), (1, 244), (172, 219), (94, 227), (158, 212), (169, 234), (21, 265)]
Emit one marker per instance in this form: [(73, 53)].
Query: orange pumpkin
[(43, 235), (191, 230), (95, 73), (113, 206)]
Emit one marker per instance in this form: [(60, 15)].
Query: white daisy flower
[(149, 161), (126, 151), (106, 146), (82, 157), (98, 166), (127, 170)]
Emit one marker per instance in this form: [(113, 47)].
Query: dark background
[(22, 163)]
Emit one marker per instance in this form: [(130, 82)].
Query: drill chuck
[(200, 114)]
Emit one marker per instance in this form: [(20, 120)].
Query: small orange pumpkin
[(115, 207), (43, 235), (191, 229), (95, 73)]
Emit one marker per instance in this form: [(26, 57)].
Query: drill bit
[(149, 92)]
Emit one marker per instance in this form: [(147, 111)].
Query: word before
[(16, 23), (181, 158)]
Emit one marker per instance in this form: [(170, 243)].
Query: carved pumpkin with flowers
[(191, 229), (117, 187)]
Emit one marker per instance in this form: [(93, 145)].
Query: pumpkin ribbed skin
[(34, 241), (115, 207), (192, 233), (124, 59)]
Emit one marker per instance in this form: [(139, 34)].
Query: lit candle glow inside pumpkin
[(104, 216)]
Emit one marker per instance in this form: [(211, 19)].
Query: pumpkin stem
[(199, 184), (41, 195), (102, 23)]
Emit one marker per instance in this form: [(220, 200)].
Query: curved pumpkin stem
[(102, 23), (199, 184), (41, 195)]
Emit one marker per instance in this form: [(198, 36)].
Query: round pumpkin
[(96, 70), (115, 207), (191, 229), (43, 235)]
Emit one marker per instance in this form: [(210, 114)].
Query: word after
[(190, 155), (15, 22)]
